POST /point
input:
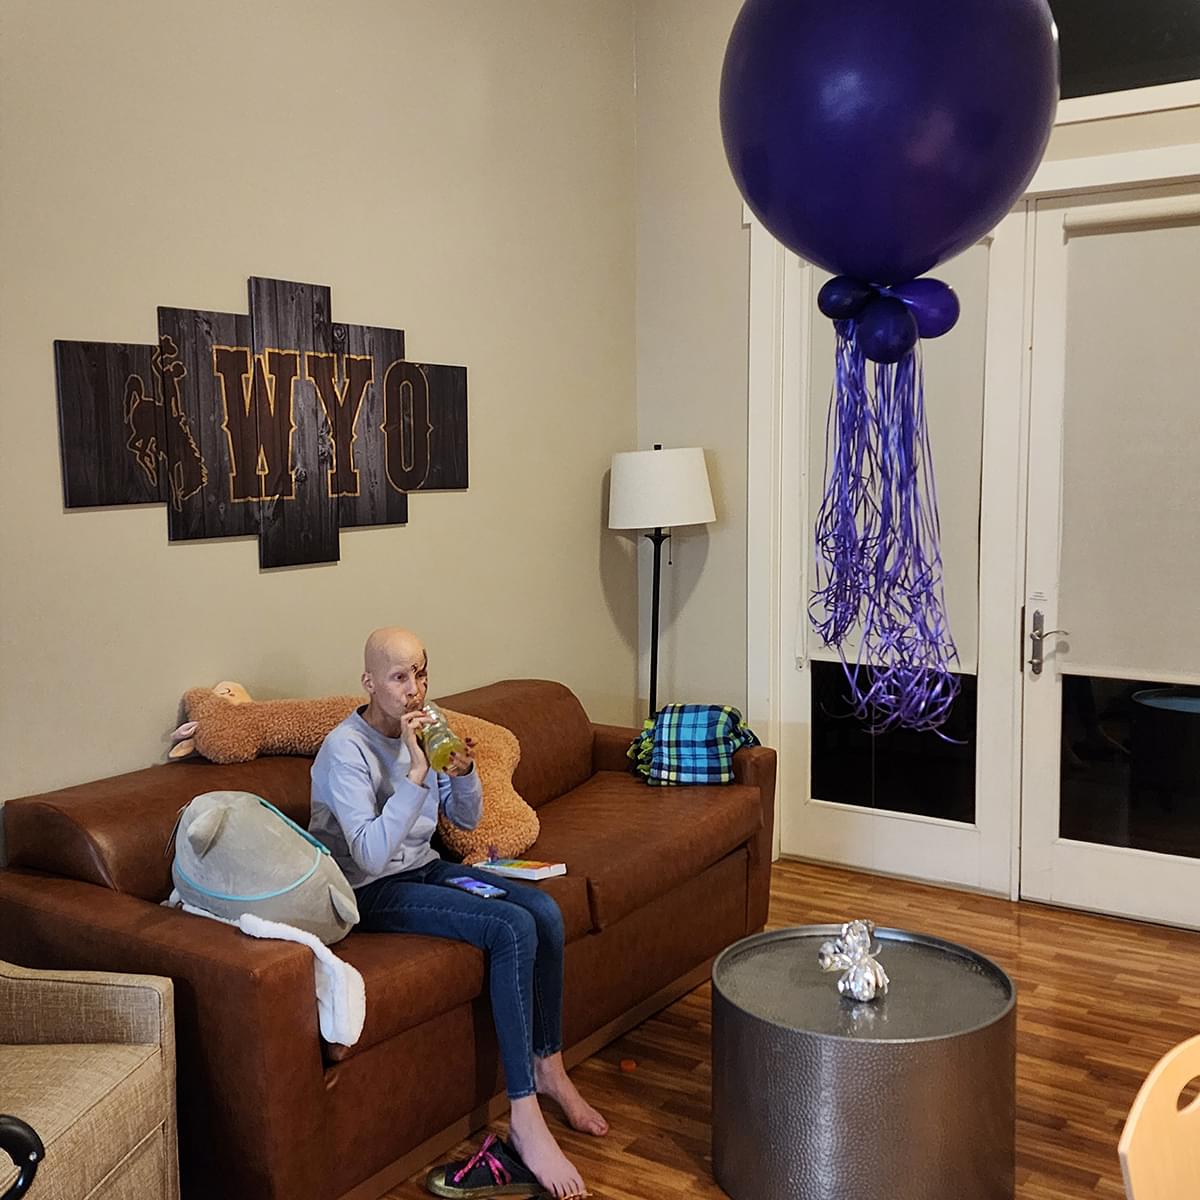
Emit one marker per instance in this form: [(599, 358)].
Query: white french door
[(1111, 722), (1064, 415), (912, 804)]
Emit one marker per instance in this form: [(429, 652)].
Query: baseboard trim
[(439, 1143)]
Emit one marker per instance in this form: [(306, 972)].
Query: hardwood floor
[(1099, 1001)]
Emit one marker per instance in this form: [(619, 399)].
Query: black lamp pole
[(657, 537)]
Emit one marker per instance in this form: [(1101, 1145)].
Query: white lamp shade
[(659, 488)]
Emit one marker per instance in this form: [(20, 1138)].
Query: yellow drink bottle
[(440, 741)]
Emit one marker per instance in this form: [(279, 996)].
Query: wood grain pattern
[(1100, 1000), (202, 397), (297, 518), (376, 502), (448, 417), (276, 422), (1160, 1147), (111, 431)]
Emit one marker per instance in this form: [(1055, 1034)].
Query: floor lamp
[(658, 490)]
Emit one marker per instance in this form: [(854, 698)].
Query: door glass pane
[(1130, 566), (1131, 764), (920, 773), (1129, 589), (899, 771), (1113, 45)]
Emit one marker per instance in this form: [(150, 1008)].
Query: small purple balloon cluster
[(889, 320)]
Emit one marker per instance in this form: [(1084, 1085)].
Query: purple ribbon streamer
[(879, 562)]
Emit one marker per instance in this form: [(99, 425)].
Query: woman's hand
[(462, 761), (410, 726)]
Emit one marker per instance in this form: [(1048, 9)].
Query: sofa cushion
[(91, 1105), (570, 891), (634, 843), (410, 978), (113, 832), (554, 732)]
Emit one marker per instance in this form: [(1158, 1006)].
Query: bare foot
[(552, 1080), (533, 1141)]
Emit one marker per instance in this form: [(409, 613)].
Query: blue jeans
[(521, 935)]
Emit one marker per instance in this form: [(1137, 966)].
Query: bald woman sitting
[(375, 804)]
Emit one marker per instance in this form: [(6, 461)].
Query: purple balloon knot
[(889, 319)]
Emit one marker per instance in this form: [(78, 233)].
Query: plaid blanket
[(690, 743)]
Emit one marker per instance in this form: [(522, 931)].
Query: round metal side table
[(816, 1097)]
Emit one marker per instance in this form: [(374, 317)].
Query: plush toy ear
[(184, 739), (202, 832), (232, 691), (345, 908)]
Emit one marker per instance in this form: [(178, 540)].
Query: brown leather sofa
[(659, 880)]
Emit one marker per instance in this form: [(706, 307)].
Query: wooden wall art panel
[(112, 434), (277, 422)]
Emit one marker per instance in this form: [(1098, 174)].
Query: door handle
[(1037, 638)]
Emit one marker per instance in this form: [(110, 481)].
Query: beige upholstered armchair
[(87, 1062)]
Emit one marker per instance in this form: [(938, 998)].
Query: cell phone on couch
[(476, 887)]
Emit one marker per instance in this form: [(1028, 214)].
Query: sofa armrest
[(756, 766), (68, 1007), (609, 743), (250, 1073)]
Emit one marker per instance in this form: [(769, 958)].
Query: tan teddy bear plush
[(226, 725), (507, 821)]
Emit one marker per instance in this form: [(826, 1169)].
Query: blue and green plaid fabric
[(690, 743)]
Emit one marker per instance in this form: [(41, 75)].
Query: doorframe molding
[(1110, 172), (777, 699), (1161, 97), (778, 689)]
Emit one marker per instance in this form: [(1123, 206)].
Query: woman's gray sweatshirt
[(373, 818)]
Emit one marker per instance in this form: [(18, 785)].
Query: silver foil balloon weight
[(854, 953)]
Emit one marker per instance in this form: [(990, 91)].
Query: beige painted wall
[(693, 298), (462, 170)]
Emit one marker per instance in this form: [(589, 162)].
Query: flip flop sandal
[(495, 1169)]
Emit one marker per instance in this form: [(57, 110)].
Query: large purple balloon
[(876, 138)]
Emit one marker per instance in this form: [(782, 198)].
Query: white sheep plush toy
[(237, 854)]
